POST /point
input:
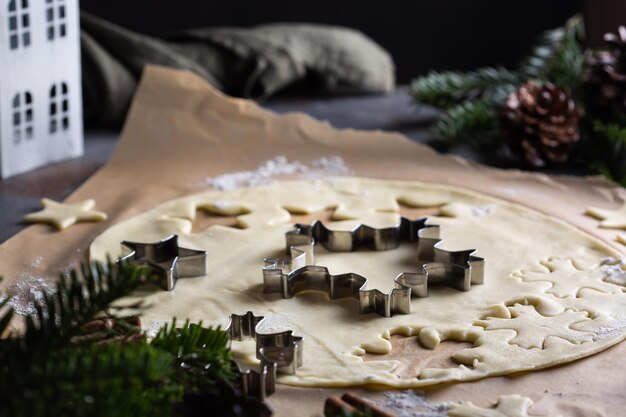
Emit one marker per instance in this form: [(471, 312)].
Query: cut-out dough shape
[(610, 219), (511, 237), (567, 279), (64, 215), (533, 328), (507, 406)]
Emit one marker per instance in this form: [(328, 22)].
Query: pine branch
[(98, 380), (6, 318), (201, 351), (447, 89), (476, 124), (558, 57), (606, 150), (77, 300), (74, 361)]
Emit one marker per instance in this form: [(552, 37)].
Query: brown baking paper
[(180, 131)]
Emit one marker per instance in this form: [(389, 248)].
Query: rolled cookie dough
[(529, 314)]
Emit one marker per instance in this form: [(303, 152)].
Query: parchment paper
[(180, 131)]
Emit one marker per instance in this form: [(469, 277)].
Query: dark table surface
[(394, 112)]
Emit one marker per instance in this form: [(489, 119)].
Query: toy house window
[(59, 108), (19, 24), (56, 21), (22, 117)]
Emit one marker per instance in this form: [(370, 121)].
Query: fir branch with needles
[(472, 103), (77, 300), (465, 98), (450, 88), (95, 380), (607, 150), (476, 123), (558, 57), (202, 353), (77, 356)]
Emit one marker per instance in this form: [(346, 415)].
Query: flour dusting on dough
[(616, 327), (616, 270), (280, 165)]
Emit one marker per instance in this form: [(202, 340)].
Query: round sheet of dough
[(552, 294)]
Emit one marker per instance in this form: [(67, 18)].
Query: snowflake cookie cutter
[(279, 352), (440, 267), (166, 259)]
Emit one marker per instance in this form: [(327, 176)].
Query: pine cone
[(605, 75), (541, 123)]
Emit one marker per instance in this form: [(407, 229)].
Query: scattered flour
[(481, 211), (615, 328), (37, 261), (275, 323), (154, 327), (412, 404), (26, 292), (616, 270), (277, 166)]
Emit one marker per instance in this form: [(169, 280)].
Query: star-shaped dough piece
[(166, 259), (64, 215), (507, 406), (611, 219)]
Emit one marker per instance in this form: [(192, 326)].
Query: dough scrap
[(507, 406), (335, 335), (64, 215), (611, 219)]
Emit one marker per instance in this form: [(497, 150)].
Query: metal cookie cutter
[(166, 259), (278, 352), (455, 269)]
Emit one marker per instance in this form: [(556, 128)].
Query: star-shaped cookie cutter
[(166, 259), (279, 352), (455, 269)]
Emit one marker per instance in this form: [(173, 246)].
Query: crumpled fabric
[(252, 62)]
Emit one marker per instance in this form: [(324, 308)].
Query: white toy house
[(40, 85)]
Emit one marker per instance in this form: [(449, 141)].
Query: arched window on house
[(56, 19), (59, 108), (19, 23), (22, 116)]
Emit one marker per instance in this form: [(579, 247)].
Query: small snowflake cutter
[(279, 352), (455, 269), (166, 259)]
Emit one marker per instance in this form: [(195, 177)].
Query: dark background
[(420, 34)]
